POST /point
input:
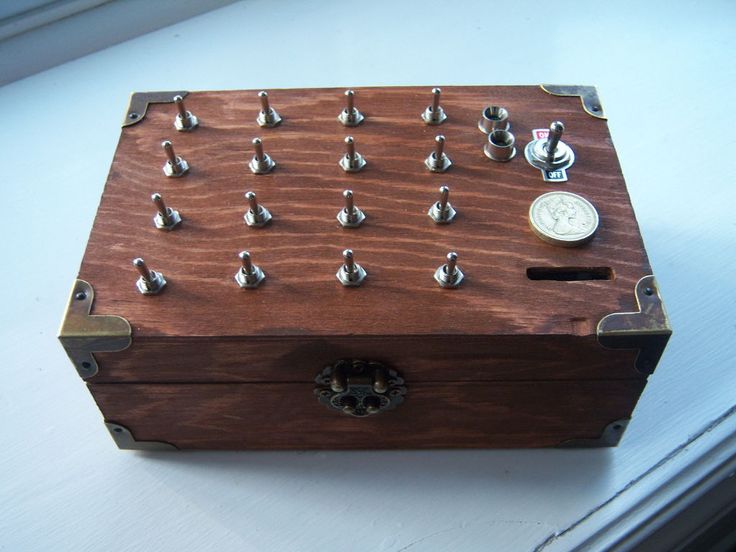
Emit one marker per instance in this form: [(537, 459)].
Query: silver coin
[(563, 218)]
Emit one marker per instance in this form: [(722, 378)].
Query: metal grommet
[(500, 146), (494, 117)]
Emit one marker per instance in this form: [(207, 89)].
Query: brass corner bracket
[(588, 97), (647, 330), (125, 441), (609, 437), (139, 102), (82, 333)]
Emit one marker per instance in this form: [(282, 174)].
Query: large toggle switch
[(551, 155)]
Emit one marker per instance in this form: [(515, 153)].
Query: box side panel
[(288, 415), (425, 359)]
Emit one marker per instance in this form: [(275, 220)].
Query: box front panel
[(434, 415)]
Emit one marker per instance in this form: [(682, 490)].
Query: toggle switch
[(268, 117), (149, 282), (166, 218), (350, 116), (449, 274), (438, 160), (261, 162), (441, 211), (351, 274), (352, 161), (256, 215), (550, 154), (434, 114), (350, 216), (249, 276), (184, 121), (175, 166)]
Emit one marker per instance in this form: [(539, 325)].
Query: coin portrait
[(563, 218)]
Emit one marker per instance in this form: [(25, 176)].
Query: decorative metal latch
[(359, 388)]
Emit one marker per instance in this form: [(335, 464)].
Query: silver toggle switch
[(350, 216), (175, 166), (184, 121), (150, 282), (449, 275), (261, 162), (434, 114), (350, 116), (550, 154), (438, 160), (352, 161), (249, 276), (166, 218), (268, 117), (500, 146), (351, 274), (442, 211), (492, 118), (256, 215)]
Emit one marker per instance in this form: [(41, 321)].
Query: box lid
[(399, 245)]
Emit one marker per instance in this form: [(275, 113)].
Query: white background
[(666, 76)]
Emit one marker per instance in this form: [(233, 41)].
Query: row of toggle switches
[(250, 275), (492, 117), (351, 161), (549, 154), (350, 216)]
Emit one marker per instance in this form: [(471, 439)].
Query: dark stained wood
[(419, 358), (504, 361), (399, 245), (435, 415)]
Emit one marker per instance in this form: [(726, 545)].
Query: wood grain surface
[(434, 415), (418, 358), (505, 360), (398, 245)]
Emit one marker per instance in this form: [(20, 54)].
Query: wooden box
[(540, 346)]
